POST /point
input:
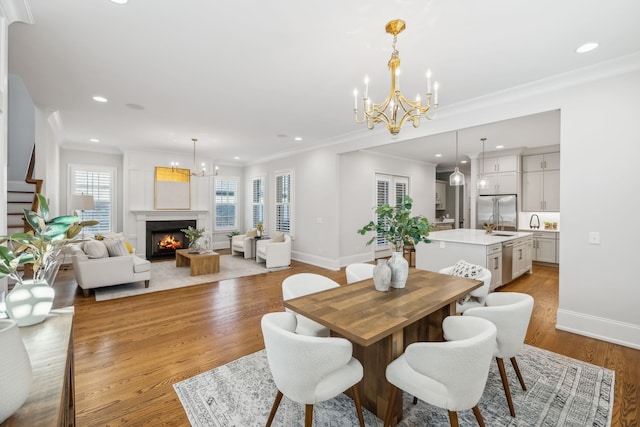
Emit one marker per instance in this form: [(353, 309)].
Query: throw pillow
[(95, 249), (128, 245), (116, 247), (278, 237), (252, 233), (463, 268)]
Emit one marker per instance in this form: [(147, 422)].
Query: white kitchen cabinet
[(501, 183), (441, 195), (540, 162), (541, 183), (501, 164), (494, 265), (522, 256), (545, 247)]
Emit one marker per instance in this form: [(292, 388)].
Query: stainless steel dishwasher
[(507, 262)]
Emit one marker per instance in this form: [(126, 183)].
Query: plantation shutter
[(257, 201), (390, 190), (225, 201), (100, 184), (283, 202)]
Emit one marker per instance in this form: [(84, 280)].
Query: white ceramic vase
[(30, 302), (382, 275), (399, 270), (15, 369)]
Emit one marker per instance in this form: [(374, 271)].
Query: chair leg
[(453, 418), (505, 385), (356, 399), (274, 408), (146, 283), (476, 412), (392, 398), (515, 367), (85, 293), (308, 415), (415, 400)]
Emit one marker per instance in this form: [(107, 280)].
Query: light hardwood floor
[(129, 352)]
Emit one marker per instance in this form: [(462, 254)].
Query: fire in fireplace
[(165, 237)]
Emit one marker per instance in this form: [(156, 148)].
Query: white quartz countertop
[(533, 230), (476, 237)]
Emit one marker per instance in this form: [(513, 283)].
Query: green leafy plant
[(192, 233), (397, 226), (42, 245), (232, 233)]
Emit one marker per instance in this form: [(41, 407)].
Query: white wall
[(357, 191), (20, 128), (3, 130)]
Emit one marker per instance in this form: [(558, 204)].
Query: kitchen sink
[(502, 234)]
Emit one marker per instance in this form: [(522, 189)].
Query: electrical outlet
[(594, 238)]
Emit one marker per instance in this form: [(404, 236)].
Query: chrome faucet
[(537, 223)]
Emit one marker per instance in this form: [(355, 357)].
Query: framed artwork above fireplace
[(172, 188)]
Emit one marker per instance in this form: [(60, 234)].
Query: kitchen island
[(507, 254)]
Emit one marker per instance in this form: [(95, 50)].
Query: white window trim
[(291, 202), (264, 199), (237, 202), (72, 167)]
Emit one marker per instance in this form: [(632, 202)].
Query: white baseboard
[(364, 257), (329, 264), (621, 333)]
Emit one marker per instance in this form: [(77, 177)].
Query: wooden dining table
[(380, 325)]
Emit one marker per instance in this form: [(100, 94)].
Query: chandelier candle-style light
[(396, 109), (203, 168)]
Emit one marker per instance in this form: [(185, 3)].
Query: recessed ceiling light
[(236, 158), (297, 138), (94, 140), (499, 146), (463, 161), (587, 47), (99, 98), (120, 1), (438, 155)]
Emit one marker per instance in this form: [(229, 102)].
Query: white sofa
[(273, 251), (242, 244), (99, 263)]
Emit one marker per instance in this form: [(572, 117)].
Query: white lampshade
[(83, 202)]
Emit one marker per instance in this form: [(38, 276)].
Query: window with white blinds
[(226, 203), (257, 201), (100, 183), (284, 194), (390, 190)]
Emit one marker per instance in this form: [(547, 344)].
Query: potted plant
[(193, 234), (396, 225), (260, 229), (40, 247)]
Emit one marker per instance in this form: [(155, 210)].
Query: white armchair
[(301, 284), (308, 370), (478, 296), (451, 375), (274, 251), (242, 244), (511, 313)]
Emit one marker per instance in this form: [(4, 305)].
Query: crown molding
[(16, 11)]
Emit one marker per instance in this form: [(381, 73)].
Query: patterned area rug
[(165, 275), (560, 392)]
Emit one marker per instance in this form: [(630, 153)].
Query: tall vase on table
[(382, 275), (16, 375), (399, 270)]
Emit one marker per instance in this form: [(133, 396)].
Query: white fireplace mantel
[(142, 216)]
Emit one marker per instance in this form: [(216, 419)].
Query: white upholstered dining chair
[(359, 271), (307, 369), (478, 296), (451, 375), (301, 284), (511, 313)]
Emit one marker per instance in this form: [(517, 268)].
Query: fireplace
[(164, 238)]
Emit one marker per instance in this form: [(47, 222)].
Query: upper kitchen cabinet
[(541, 182), (503, 175)]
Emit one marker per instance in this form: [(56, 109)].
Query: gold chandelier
[(396, 109), (203, 169)]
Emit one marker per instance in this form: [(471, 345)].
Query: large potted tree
[(397, 226)]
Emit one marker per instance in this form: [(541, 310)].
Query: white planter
[(399, 270), (30, 303), (15, 370)]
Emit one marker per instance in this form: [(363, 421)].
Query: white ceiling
[(247, 76)]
